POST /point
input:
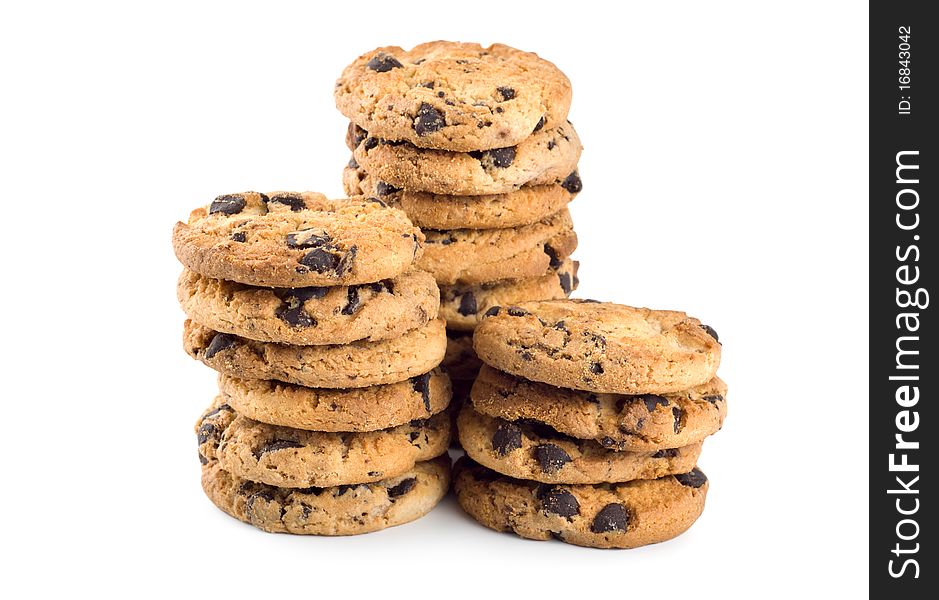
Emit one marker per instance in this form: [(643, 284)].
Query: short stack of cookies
[(330, 415), (473, 143), (586, 422)]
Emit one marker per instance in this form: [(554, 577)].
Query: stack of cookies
[(474, 145), (586, 422), (330, 415)]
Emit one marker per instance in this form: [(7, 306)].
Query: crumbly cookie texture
[(460, 361), (452, 95), (354, 365), (531, 450), (526, 205), (338, 510), (609, 515), (546, 157), (287, 457), (375, 311), (463, 306), (599, 346), (636, 423), (296, 239), (322, 409), (472, 256)]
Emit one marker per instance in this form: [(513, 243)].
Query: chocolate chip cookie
[(321, 409), (290, 239), (375, 311), (636, 423), (353, 365), (528, 204), (531, 450), (338, 510), (473, 256), (452, 95), (546, 157), (617, 515), (464, 305), (599, 346), (287, 457)]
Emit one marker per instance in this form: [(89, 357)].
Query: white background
[(725, 171)]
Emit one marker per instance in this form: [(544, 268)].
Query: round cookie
[(599, 346), (528, 204), (532, 450), (471, 256), (338, 510), (617, 515), (635, 423), (287, 457), (546, 157), (321, 409), (313, 315), (460, 361), (291, 239), (452, 95), (354, 365), (464, 305)]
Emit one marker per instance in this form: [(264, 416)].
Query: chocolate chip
[(515, 311), (382, 286), (612, 517), (305, 293), (607, 442), (592, 398), (710, 331), (526, 355), (652, 400), (347, 261), (314, 491), (666, 453), (216, 410), (320, 260), (352, 301), (206, 432), (428, 120), (561, 325), (383, 63), (266, 495), (551, 145), (506, 438), (220, 341), (502, 157), (342, 489), (694, 478), (352, 164), (203, 459), (295, 316), (264, 198), (539, 125), (384, 189), (492, 311), (565, 281), (308, 238), (374, 473), (506, 93), (413, 436), (572, 183), (375, 200), (596, 368), (477, 154), (467, 304), (676, 413), (554, 260), (557, 501), (229, 204), (239, 236), (421, 385), (402, 488), (370, 143), (426, 84), (294, 201), (551, 458), (714, 399), (275, 446)]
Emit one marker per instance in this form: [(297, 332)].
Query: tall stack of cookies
[(586, 422), (474, 145), (329, 418)]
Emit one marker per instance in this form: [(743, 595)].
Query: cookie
[(464, 305), (460, 361), (339, 510), (547, 157), (599, 346), (312, 315), (290, 239), (287, 457), (528, 204), (532, 450), (354, 365), (322, 409), (636, 423), (471, 256), (617, 515), (452, 95)]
